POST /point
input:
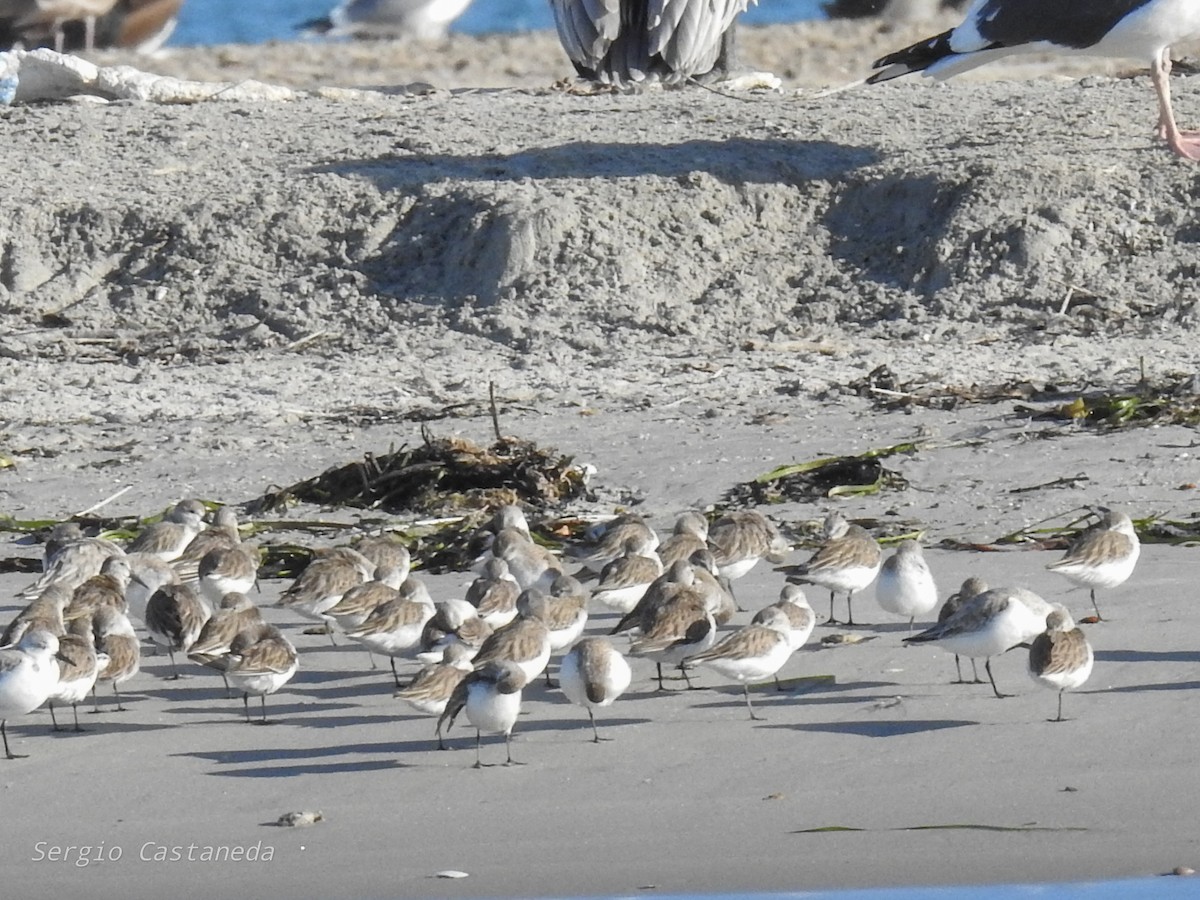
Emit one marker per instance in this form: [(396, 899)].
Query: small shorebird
[(753, 653), (44, 613), (624, 534), (989, 624), (116, 640), (970, 588), (262, 668), (78, 665), (530, 564), (147, 573), (494, 594), (740, 539), (235, 614), (28, 675), (801, 618), (431, 688), (679, 627), (623, 582), (593, 674), (323, 582), (168, 538), (220, 535), (386, 551), (361, 600), (71, 559), (1061, 657), (227, 570), (454, 621), (679, 578), (143, 25), (690, 534), (905, 586), (106, 589), (563, 611), (394, 626), (846, 563), (713, 587), (1103, 556), (175, 616), (525, 641), (491, 698)]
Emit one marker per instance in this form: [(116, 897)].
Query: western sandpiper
[(262, 668), (491, 698), (593, 674), (970, 588), (801, 618), (1060, 658), (28, 675), (175, 616), (1103, 556), (753, 653), (431, 688), (115, 639), (906, 587), (846, 563), (989, 624)]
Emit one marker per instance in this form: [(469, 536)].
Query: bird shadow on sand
[(300, 710), (879, 729), (536, 725), (299, 761), (95, 725), (384, 688), (888, 628), (1179, 656), (782, 699), (173, 692), (1137, 688), (313, 675)]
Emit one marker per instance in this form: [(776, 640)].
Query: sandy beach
[(683, 289)]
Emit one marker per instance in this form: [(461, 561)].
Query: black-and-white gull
[(994, 29), (631, 42)]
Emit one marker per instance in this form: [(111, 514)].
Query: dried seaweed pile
[(1173, 402), (834, 476), (886, 391), (441, 477)]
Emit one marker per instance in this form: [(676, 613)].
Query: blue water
[(1133, 889), (256, 21)]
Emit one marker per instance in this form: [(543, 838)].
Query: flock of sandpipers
[(187, 586)]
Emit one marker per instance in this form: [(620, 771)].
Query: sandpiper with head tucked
[(906, 586), (989, 624), (970, 588), (1061, 657), (593, 674), (28, 675), (491, 698)]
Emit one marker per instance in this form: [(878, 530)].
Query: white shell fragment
[(299, 819), (41, 75)]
